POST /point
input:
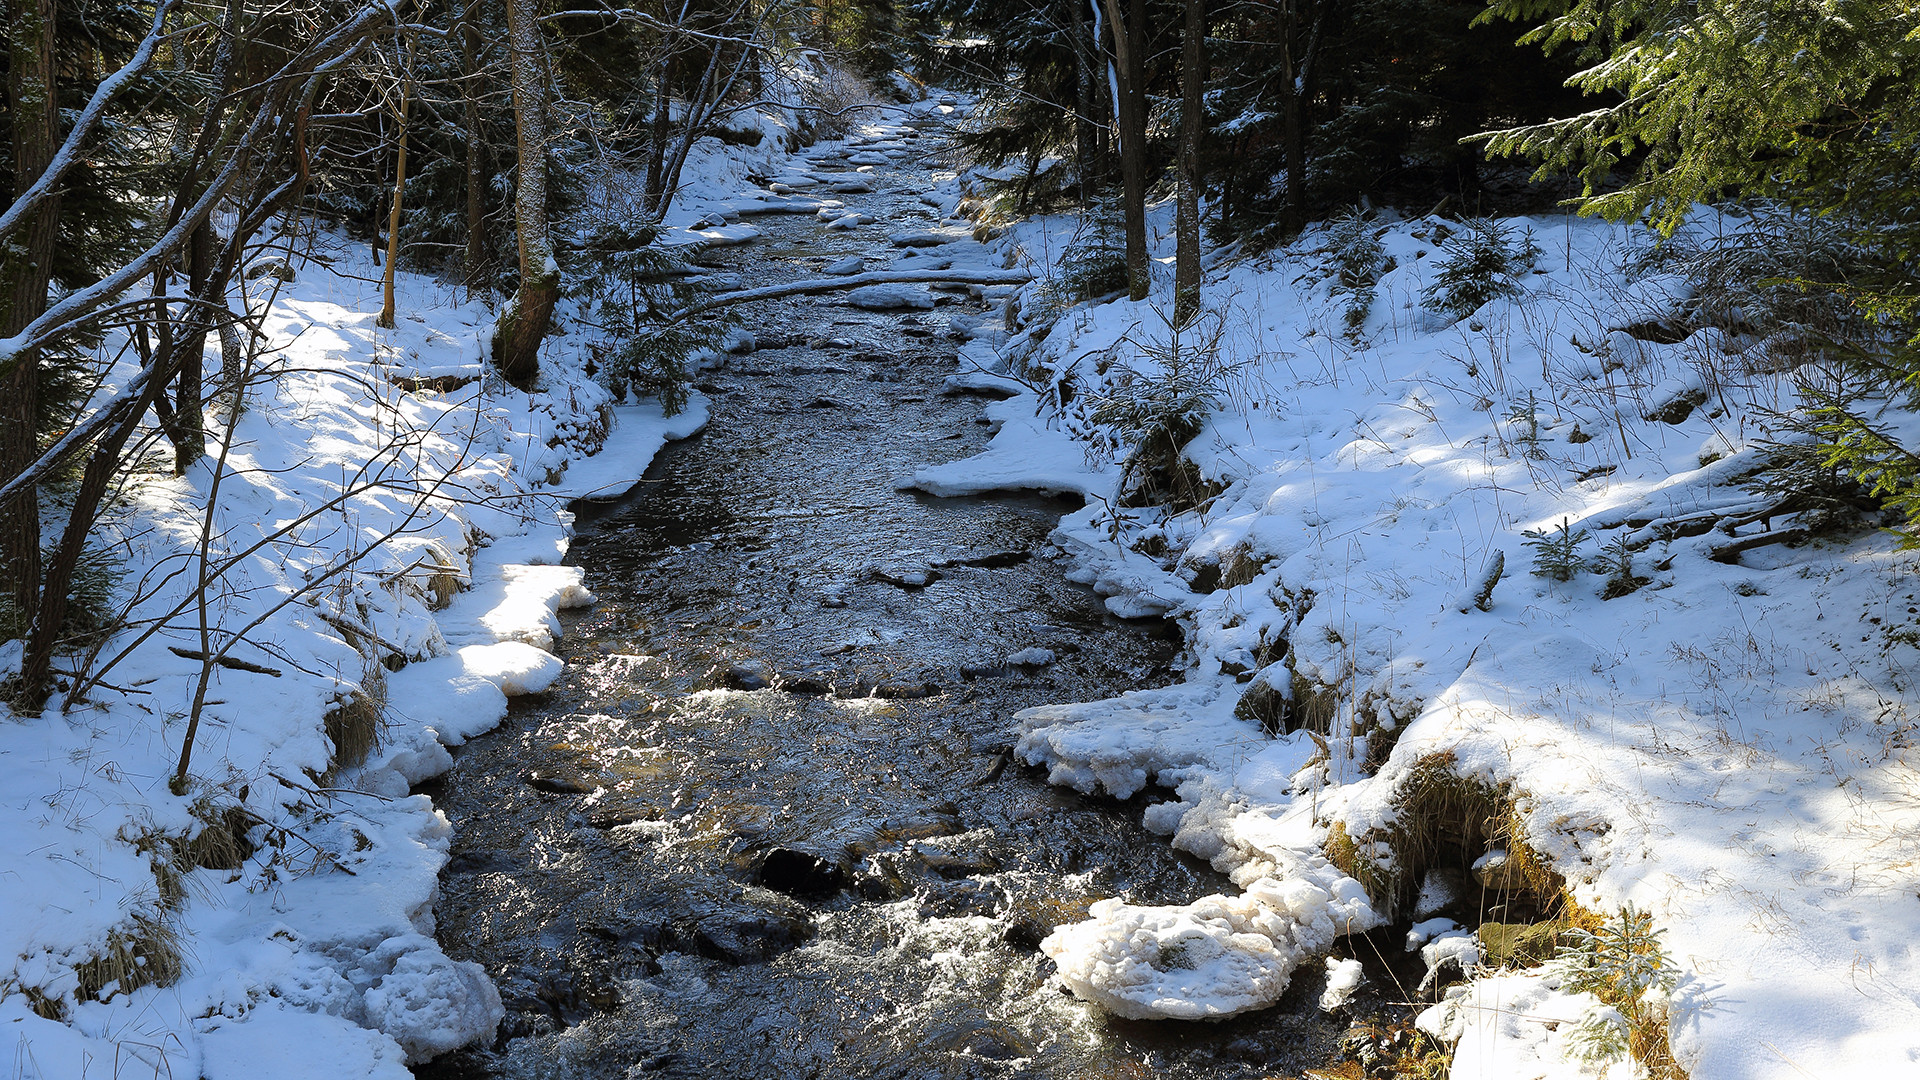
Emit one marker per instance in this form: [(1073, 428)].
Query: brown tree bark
[(477, 268), (1129, 45), (1186, 253), (25, 272), (1300, 54), (385, 320), (523, 324)]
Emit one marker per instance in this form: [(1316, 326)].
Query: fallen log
[(1730, 553), (878, 277), (225, 661)]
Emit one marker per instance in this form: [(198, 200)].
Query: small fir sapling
[(1623, 964), (1556, 553), (1616, 561), (1527, 417), (1151, 411), (1357, 260), (1093, 265), (1481, 263), (632, 286)]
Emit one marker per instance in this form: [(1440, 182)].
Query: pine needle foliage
[(631, 285), (1482, 262), (1556, 552), (1152, 411), (1624, 964), (1357, 260), (1702, 98)]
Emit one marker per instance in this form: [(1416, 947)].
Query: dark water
[(839, 874)]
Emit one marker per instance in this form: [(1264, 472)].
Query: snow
[(359, 527), (1214, 958), (889, 297), (1343, 981), (1730, 746)]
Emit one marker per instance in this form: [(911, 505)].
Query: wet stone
[(737, 938), (905, 577), (801, 874), (752, 675), (753, 543), (560, 782)]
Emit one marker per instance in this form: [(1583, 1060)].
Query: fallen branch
[(225, 661), (1730, 553), (353, 626), (854, 281)]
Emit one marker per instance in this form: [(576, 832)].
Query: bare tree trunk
[(1129, 42), (657, 138), (34, 102), (393, 216), (1299, 74), (477, 268), (522, 326), (1186, 255)]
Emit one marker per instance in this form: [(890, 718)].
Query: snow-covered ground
[(1728, 746), (385, 556), (397, 549)]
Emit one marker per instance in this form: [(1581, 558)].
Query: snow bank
[(1727, 745), (1214, 958), (361, 527)]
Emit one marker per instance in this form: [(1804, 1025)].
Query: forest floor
[(1484, 625)]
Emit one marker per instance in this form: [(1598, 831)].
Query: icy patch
[(430, 1004), (1343, 980), (520, 604), (1214, 958), (639, 431), (515, 667), (889, 297), (1025, 453), (1122, 744)]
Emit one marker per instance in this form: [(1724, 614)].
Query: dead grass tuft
[(144, 952), (1443, 819), (355, 722)]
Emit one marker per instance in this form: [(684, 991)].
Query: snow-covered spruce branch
[(878, 277), (71, 148), (289, 88)]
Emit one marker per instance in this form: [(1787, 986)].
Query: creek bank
[(777, 835)]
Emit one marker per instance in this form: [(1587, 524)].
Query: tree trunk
[(661, 128), (1129, 42), (1086, 134), (516, 343), (1299, 75), (393, 217), (477, 268), (1186, 259), (34, 103)]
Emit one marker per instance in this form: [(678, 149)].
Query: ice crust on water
[(1214, 958), (1343, 981), (430, 1004), (888, 297)]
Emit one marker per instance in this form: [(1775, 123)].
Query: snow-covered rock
[(889, 297)]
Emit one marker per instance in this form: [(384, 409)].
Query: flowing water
[(766, 825)]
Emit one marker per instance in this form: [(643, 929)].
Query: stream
[(767, 825)]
